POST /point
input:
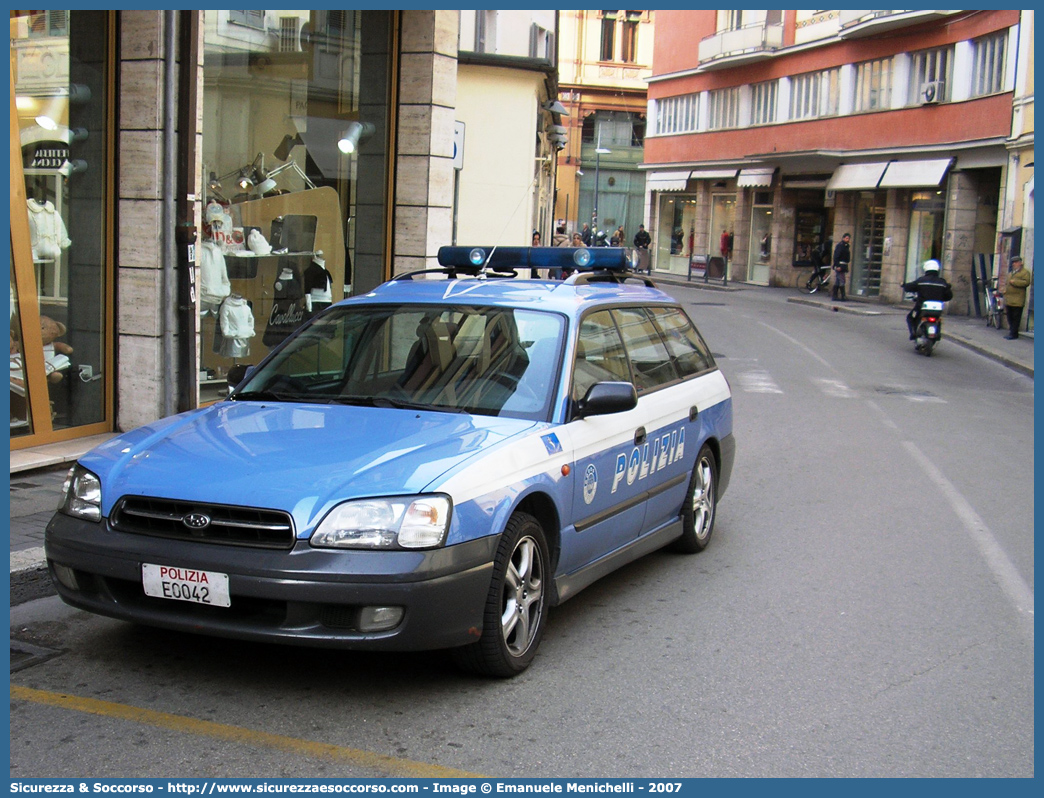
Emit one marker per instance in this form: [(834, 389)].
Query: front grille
[(204, 523)]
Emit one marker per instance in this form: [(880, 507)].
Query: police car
[(432, 465)]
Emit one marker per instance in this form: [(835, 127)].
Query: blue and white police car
[(432, 465)]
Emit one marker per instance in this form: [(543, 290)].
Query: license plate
[(185, 584), (931, 330)]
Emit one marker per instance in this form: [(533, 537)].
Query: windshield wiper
[(266, 396)]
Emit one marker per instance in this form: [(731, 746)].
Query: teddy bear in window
[(56, 353)]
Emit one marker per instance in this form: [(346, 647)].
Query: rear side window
[(687, 348), (651, 362)]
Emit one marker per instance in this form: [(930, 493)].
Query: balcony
[(859, 24), (740, 46)]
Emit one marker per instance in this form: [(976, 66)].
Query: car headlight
[(81, 495), (409, 522)]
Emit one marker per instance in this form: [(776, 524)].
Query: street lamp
[(599, 152)]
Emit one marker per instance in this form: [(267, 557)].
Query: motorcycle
[(929, 327)]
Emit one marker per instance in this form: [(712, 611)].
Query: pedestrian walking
[(842, 257), (1019, 279), (560, 239), (585, 235)]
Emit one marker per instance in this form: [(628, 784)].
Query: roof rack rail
[(608, 276), (453, 272)]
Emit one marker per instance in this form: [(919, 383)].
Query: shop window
[(295, 167), (61, 372), (676, 241), (809, 234), (927, 213)]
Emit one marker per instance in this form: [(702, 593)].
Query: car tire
[(700, 506), (516, 607)]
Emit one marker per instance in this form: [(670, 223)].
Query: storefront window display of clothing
[(318, 283), (235, 327), (288, 309), (47, 232)]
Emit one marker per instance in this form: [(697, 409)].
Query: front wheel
[(700, 504), (516, 607)]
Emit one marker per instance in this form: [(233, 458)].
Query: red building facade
[(778, 132)]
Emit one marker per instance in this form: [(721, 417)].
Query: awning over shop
[(856, 176), (914, 174), (755, 177), (666, 181), (712, 174)]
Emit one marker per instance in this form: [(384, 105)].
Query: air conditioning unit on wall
[(931, 92)]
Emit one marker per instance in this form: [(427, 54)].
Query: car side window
[(600, 355), (651, 362), (690, 353)]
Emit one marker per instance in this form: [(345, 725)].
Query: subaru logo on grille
[(196, 521)]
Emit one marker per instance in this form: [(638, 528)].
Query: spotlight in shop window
[(282, 152), (73, 167), (349, 141), (244, 181)]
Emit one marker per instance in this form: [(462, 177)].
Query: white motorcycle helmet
[(931, 266)]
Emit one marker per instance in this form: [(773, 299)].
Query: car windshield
[(483, 360)]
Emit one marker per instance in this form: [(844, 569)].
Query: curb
[(987, 351), (835, 307), (29, 577), (991, 353)]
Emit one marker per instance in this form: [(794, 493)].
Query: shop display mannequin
[(47, 232), (317, 284), (214, 283)]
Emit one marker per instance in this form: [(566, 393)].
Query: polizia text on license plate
[(185, 584)]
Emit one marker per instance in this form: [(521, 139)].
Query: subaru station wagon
[(431, 465)]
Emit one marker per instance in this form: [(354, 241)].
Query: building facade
[(187, 187), (605, 58), (783, 130)]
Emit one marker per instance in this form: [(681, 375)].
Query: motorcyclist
[(929, 286)]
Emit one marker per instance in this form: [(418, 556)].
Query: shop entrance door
[(868, 246)]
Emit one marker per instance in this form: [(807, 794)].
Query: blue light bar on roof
[(577, 258)]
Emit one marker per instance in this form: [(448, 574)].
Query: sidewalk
[(967, 331), (37, 476)]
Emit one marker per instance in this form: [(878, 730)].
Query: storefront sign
[(50, 155)]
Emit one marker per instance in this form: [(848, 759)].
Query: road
[(864, 610)]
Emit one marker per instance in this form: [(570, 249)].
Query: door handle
[(639, 436)]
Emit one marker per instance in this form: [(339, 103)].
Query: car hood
[(295, 457)]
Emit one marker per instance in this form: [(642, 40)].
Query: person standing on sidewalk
[(1019, 279), (842, 257)]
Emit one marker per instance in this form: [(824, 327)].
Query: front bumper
[(303, 596)]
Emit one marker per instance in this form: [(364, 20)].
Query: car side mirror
[(237, 374), (604, 398)]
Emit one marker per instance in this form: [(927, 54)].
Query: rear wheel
[(700, 504), (516, 607)]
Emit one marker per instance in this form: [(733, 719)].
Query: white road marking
[(834, 388), (1004, 571), (757, 382)]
